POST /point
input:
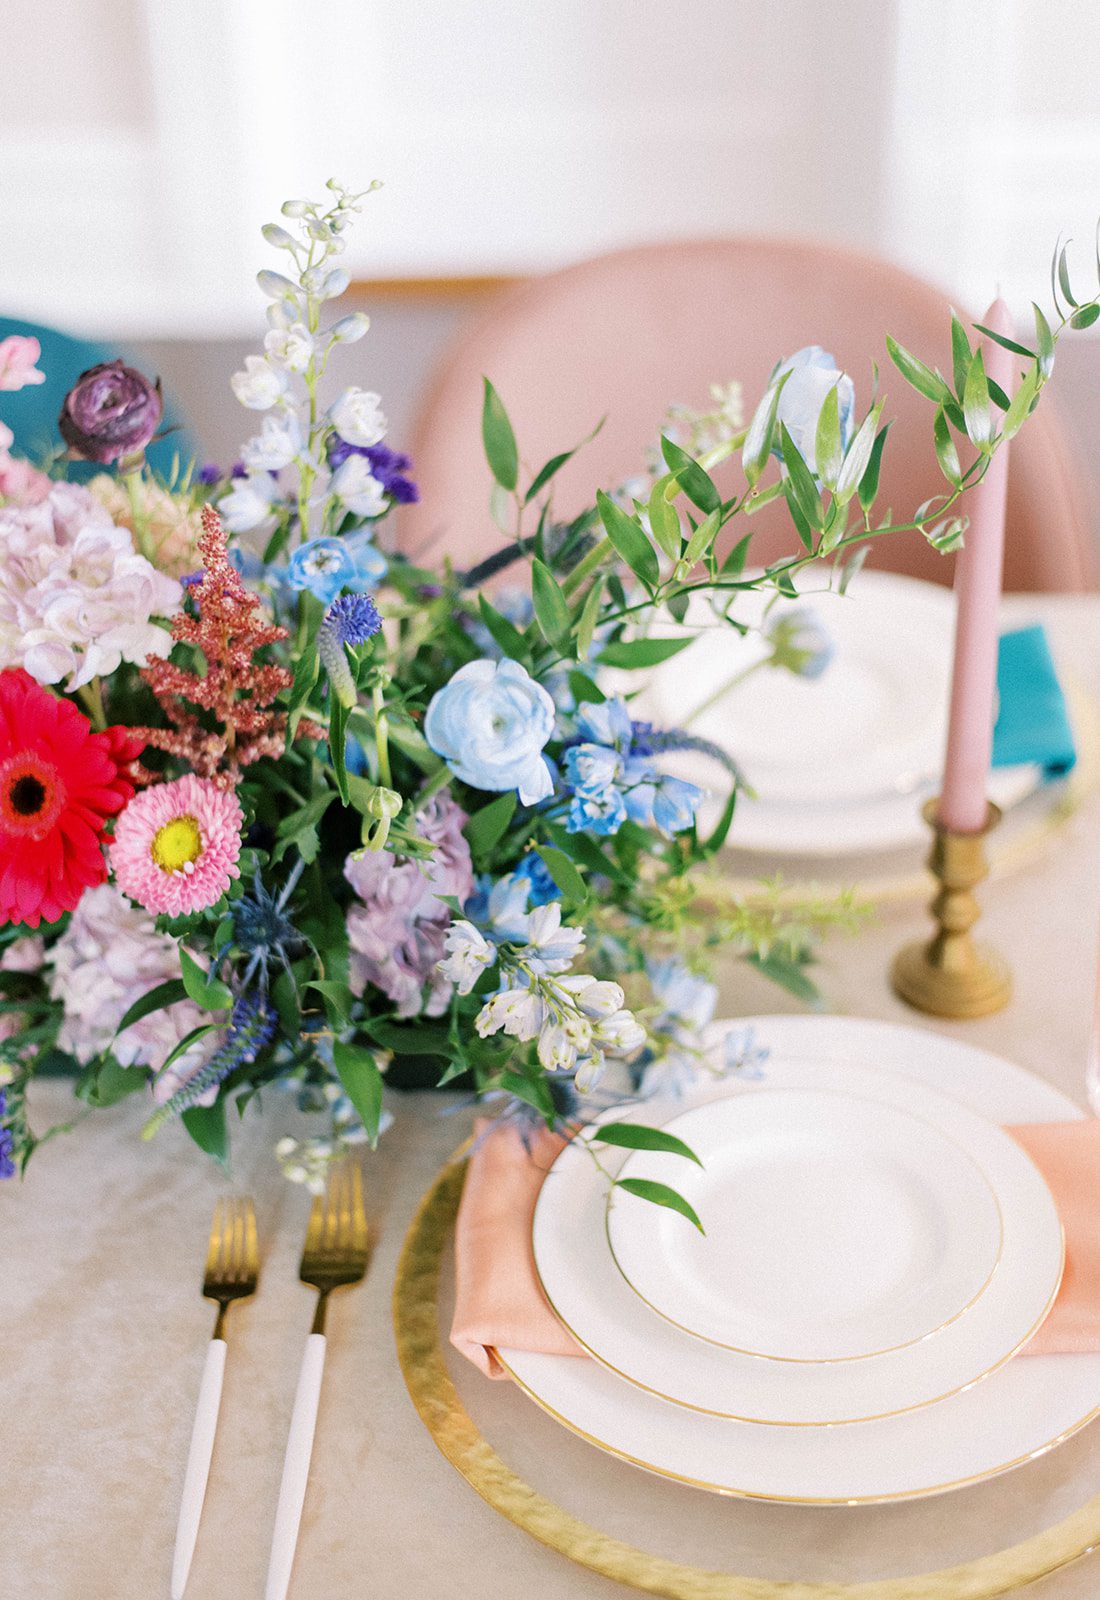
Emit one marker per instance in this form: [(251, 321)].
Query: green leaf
[(1045, 340), (583, 689), (711, 845), (1063, 273), (702, 538), (551, 606), (1020, 408), (201, 1032), (827, 446), (636, 653), (659, 1194), (801, 481), (206, 1125), (1086, 316), (306, 672), (407, 1040), (554, 465), (915, 373), (664, 519), (532, 1091), (337, 739), (489, 825), (165, 994), (678, 604), (499, 440), (691, 477), (633, 1136), (358, 1072), (111, 1083), (507, 636), (590, 615), (979, 421), (734, 564), (960, 354), (337, 997), (857, 456), (629, 541), (758, 440), (997, 394), (1004, 341), (209, 994), (868, 484), (946, 453), (563, 872), (787, 974)]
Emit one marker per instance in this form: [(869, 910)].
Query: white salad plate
[(603, 1315), (1024, 1408), (838, 764), (836, 1227)]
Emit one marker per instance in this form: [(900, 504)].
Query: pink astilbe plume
[(236, 691)]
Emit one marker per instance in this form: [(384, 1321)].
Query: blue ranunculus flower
[(490, 724), (327, 566), (813, 372)]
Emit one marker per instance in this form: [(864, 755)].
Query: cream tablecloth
[(104, 1330)]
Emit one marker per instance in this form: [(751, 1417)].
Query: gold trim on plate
[(419, 1350)]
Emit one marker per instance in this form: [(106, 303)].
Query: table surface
[(104, 1337)]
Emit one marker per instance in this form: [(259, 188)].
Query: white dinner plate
[(603, 1315), (1026, 1408), (840, 764), (836, 1227)]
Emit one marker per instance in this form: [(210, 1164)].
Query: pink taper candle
[(963, 802)]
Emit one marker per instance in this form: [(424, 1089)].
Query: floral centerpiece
[(283, 811)]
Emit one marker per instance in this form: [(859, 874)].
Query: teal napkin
[(1032, 723)]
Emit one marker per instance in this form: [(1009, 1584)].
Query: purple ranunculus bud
[(111, 411)]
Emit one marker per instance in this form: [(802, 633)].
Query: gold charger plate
[(420, 1353)]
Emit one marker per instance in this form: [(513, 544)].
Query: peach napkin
[(498, 1300)]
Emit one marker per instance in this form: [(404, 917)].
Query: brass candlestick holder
[(951, 975)]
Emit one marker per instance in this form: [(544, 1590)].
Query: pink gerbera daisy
[(176, 846)]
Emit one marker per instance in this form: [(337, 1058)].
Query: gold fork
[(335, 1255), (232, 1272)]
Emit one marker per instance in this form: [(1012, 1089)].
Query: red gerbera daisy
[(59, 782)]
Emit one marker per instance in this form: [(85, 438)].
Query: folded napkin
[(499, 1302), (1033, 727)]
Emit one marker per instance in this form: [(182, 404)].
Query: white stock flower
[(109, 956), (289, 347), (248, 503), (556, 1051), (357, 417), (469, 954), (260, 386), (520, 1013), (621, 1033), (589, 1073), (275, 446), (356, 487), (76, 599)]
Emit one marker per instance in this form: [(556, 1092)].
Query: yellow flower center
[(177, 844)]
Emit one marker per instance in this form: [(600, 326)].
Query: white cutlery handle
[(198, 1465), (292, 1490)]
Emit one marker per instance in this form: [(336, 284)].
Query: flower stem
[(90, 696), (382, 737), (438, 780), (587, 566), (723, 690)]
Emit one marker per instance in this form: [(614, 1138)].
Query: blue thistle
[(264, 931), (351, 620), (251, 1027)]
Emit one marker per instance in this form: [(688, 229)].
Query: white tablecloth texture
[(103, 1337)]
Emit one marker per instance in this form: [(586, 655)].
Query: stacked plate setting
[(878, 1252)]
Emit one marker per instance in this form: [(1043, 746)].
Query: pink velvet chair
[(629, 333)]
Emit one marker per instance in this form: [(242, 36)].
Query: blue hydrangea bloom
[(327, 566)]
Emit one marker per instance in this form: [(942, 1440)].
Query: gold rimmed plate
[(1019, 1409), (838, 1226)]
